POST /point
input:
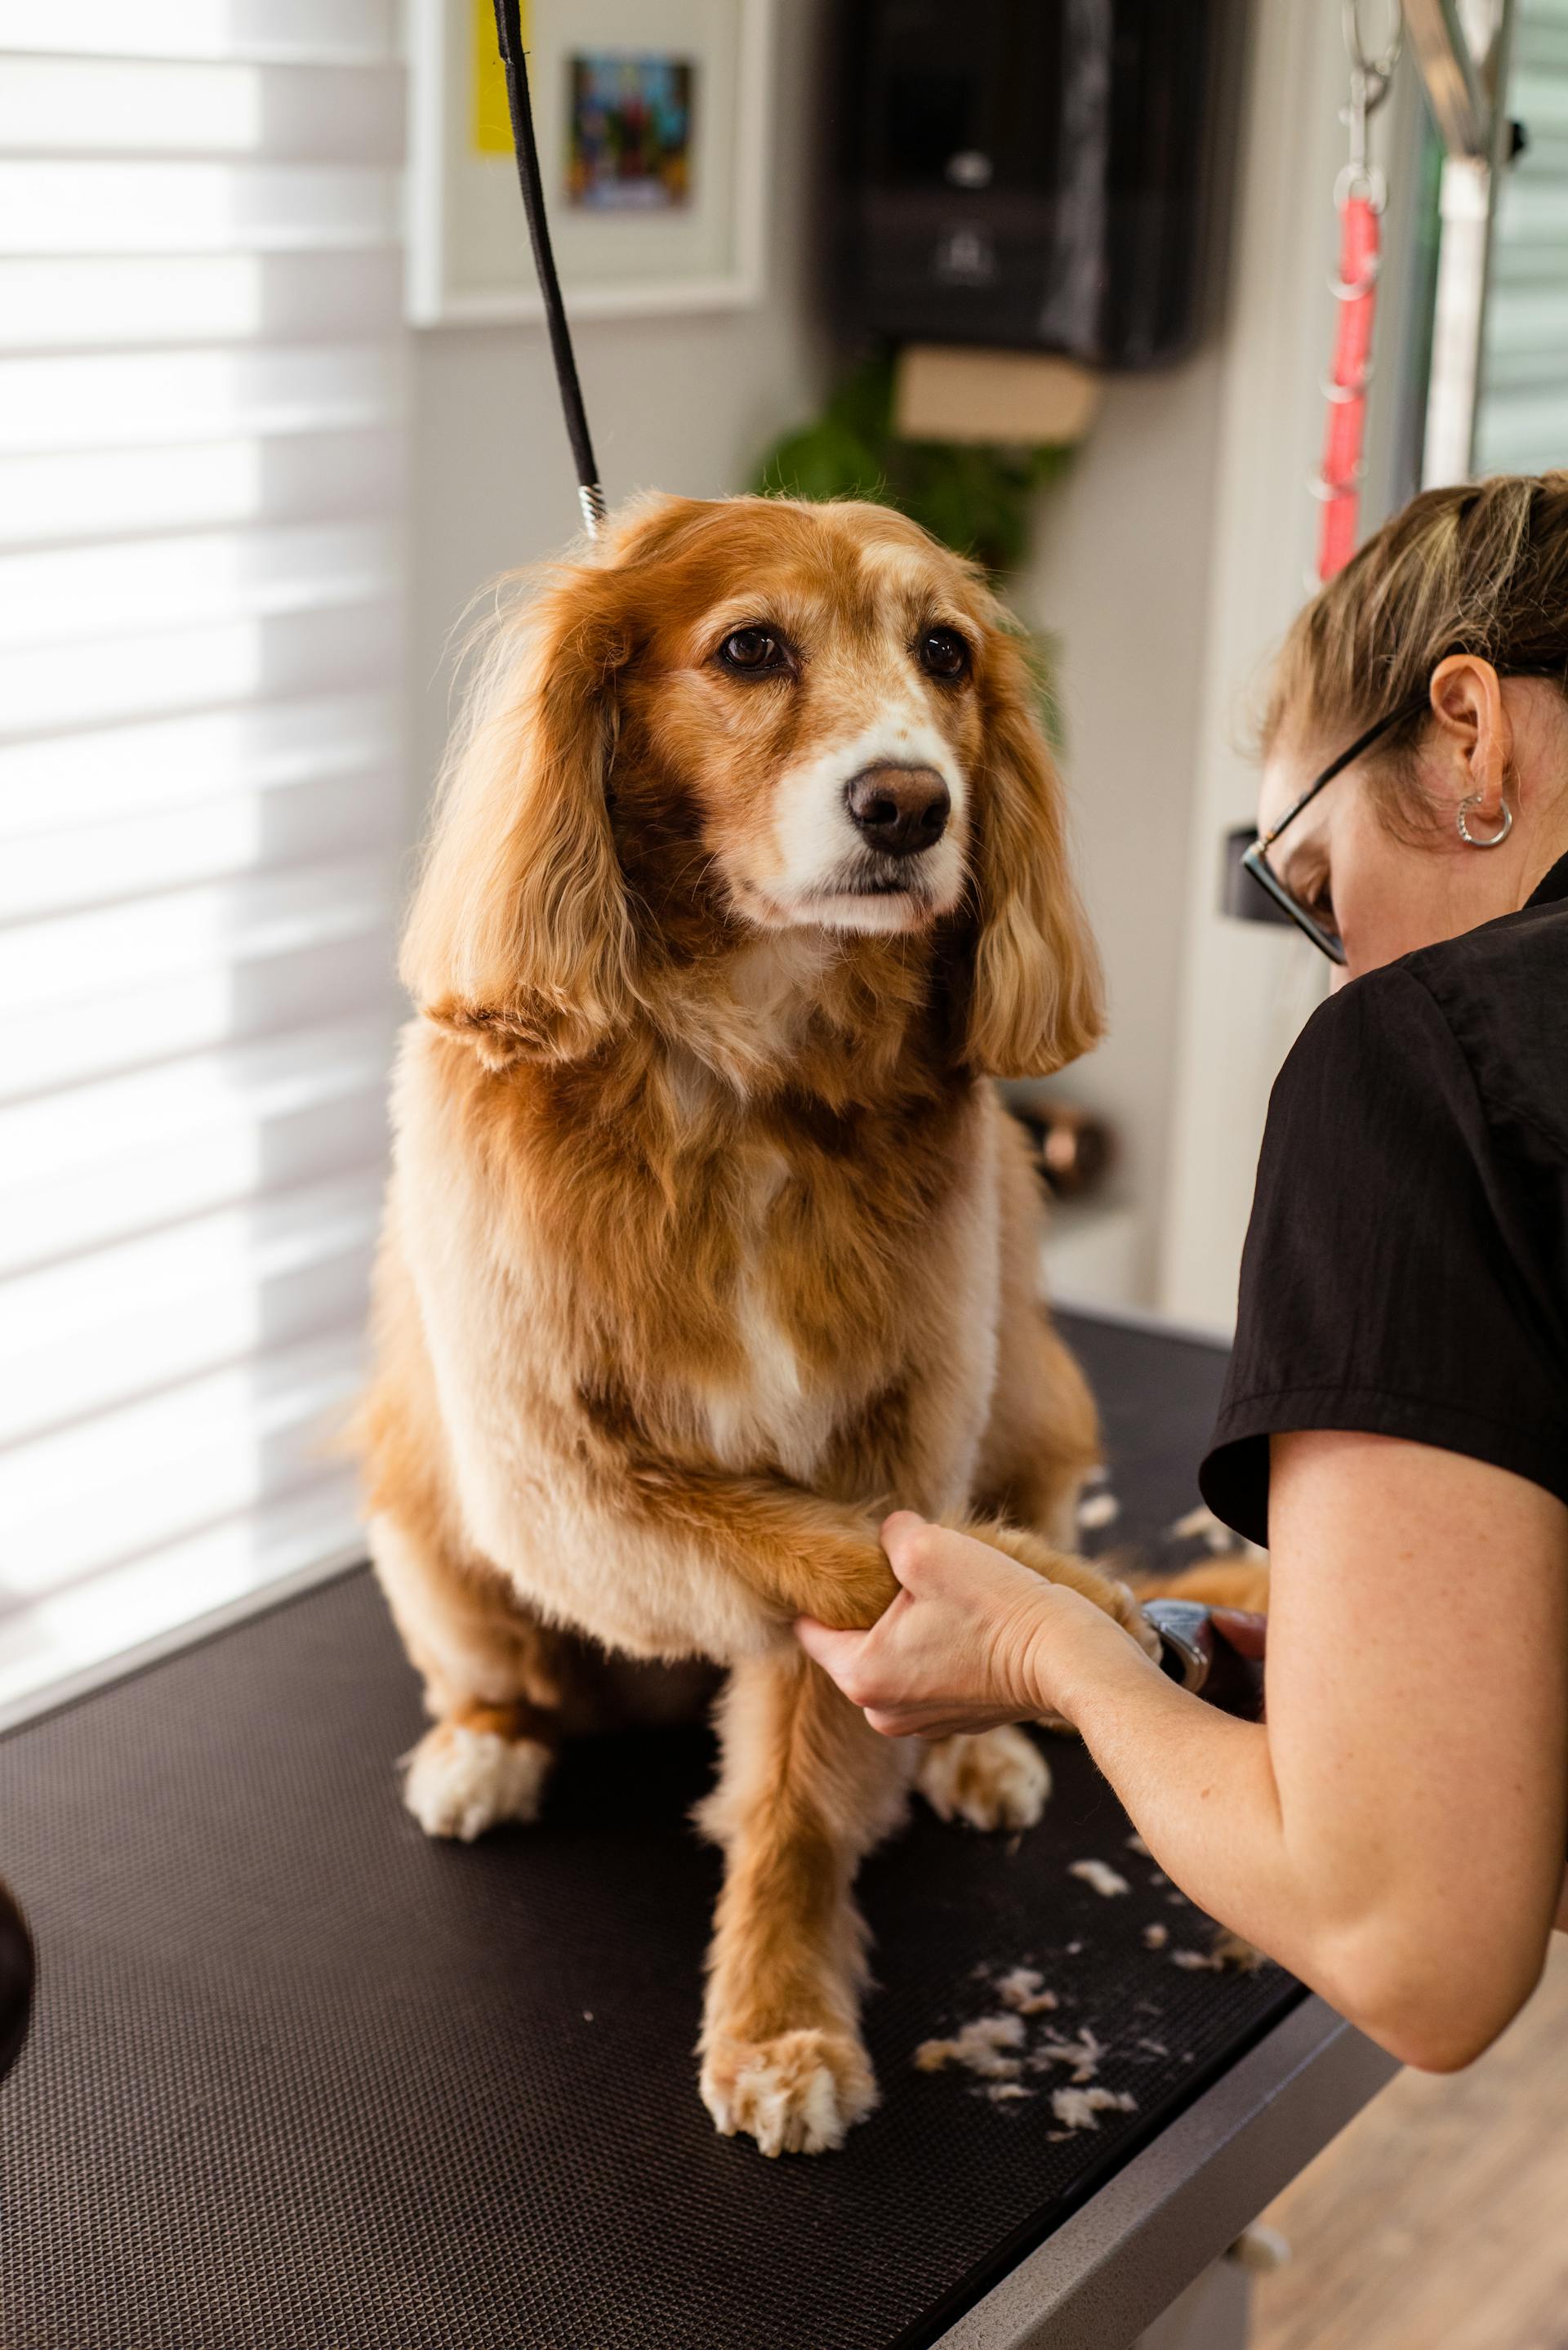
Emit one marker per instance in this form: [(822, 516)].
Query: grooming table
[(301, 2079)]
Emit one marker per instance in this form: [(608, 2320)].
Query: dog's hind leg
[(1043, 1437), (806, 1789), (492, 1681), (1043, 1434)]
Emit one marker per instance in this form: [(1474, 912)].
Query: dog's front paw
[(459, 1781), (796, 2093), (999, 1779)]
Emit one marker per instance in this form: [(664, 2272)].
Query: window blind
[(202, 800), (1522, 416)]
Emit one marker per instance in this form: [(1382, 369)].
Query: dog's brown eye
[(753, 650), (943, 654)]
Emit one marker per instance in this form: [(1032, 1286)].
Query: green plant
[(977, 499)]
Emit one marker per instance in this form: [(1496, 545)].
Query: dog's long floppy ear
[(520, 937), (1036, 994)]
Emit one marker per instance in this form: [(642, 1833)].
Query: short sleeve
[(1392, 1280)]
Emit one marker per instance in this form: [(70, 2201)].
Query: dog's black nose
[(900, 810)]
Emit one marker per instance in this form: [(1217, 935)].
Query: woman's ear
[(1472, 730), (1035, 1003), (520, 937)]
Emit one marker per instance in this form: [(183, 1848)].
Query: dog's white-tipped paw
[(797, 2094), (999, 1779), (459, 1781)]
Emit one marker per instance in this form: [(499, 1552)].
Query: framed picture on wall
[(652, 118)]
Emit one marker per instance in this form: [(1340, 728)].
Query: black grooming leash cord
[(509, 34)]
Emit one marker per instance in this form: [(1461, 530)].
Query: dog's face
[(808, 685), (737, 716)]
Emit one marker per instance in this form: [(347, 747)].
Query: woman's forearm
[(1201, 1789), (1395, 1834), (1198, 1785)]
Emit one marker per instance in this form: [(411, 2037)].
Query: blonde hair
[(1480, 568)]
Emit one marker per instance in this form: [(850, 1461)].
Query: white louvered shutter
[(202, 800), (1522, 415)]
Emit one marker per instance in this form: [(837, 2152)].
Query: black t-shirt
[(1406, 1270)]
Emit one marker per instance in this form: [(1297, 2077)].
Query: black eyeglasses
[(1255, 861)]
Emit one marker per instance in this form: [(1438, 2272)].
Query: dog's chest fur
[(761, 1287), (847, 1288), (765, 1402)]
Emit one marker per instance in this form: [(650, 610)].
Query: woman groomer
[(1396, 1418)]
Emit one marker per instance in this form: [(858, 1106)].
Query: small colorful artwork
[(630, 131), (490, 130)]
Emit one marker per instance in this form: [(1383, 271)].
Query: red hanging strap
[(1344, 433), (1358, 199)]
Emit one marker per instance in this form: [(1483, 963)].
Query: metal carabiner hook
[(1375, 74)]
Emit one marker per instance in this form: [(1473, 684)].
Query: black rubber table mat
[(301, 2079)]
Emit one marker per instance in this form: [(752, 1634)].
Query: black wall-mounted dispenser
[(1032, 174)]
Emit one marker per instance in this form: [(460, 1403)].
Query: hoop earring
[(1497, 837)]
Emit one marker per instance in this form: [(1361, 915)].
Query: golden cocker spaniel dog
[(708, 1241)]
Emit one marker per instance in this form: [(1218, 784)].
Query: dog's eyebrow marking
[(903, 576), (897, 567), (793, 613)]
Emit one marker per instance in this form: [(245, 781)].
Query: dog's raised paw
[(796, 2093), (459, 1781), (999, 1779)]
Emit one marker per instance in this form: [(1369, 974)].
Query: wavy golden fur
[(707, 1240)]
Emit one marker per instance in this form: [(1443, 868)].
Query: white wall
[(1124, 552), (677, 403)]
